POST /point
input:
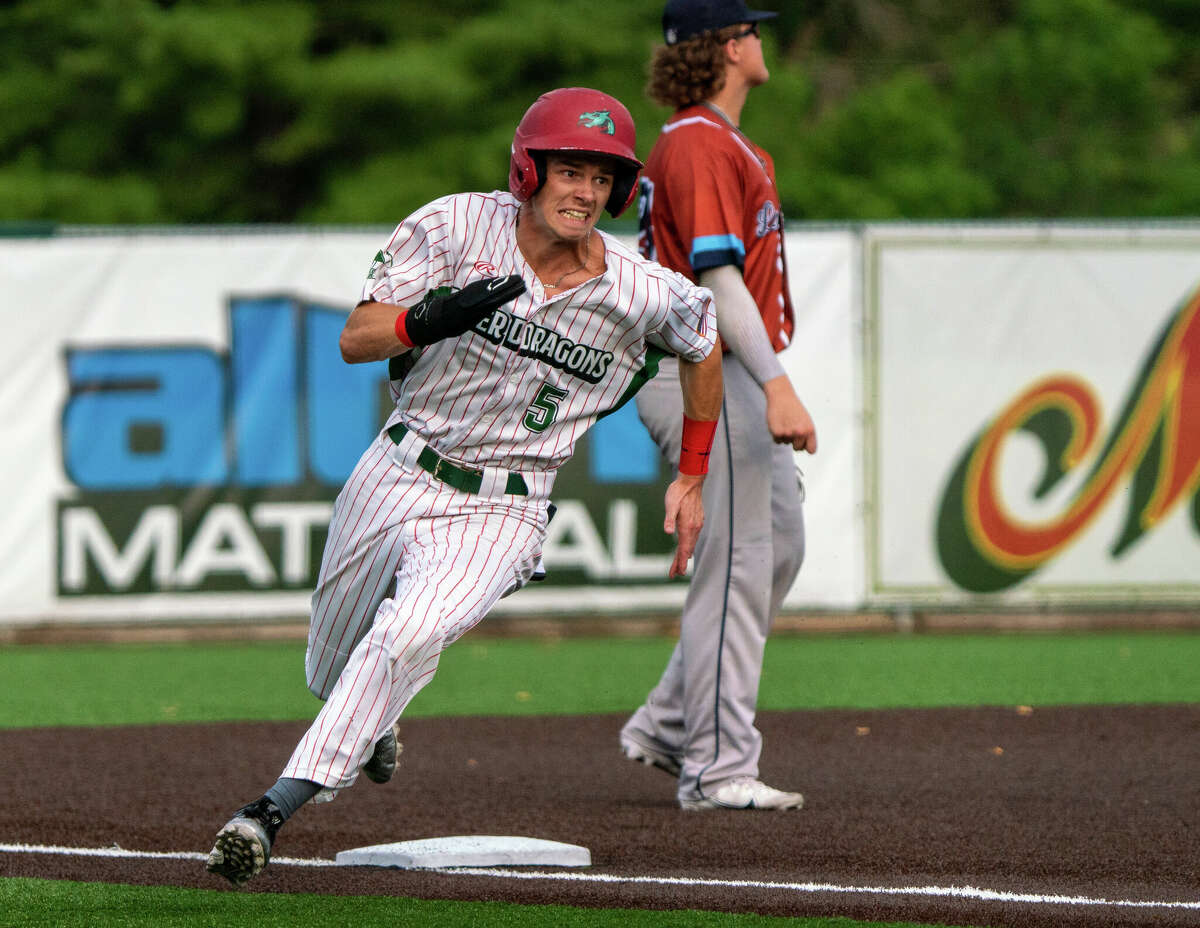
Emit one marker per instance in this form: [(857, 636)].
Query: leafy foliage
[(215, 111)]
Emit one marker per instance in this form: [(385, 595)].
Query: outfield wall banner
[(1033, 415), (824, 362), (177, 422)]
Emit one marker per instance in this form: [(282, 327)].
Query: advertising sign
[(179, 420), (1035, 428)]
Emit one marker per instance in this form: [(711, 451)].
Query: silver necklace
[(575, 270)]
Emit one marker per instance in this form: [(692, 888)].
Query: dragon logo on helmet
[(598, 119)]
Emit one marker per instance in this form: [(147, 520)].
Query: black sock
[(291, 794)]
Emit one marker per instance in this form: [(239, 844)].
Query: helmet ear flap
[(624, 185), (539, 170), (525, 173)]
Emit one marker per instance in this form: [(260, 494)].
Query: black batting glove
[(443, 313)]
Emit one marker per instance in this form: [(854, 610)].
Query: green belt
[(462, 478)]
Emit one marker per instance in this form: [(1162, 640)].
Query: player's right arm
[(370, 333), (402, 306), (403, 269), (441, 313)]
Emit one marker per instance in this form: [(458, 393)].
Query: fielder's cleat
[(382, 763), (243, 846), (649, 756), (744, 793)]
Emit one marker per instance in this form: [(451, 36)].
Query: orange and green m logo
[(1153, 451)]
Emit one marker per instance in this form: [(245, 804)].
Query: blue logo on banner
[(281, 408)]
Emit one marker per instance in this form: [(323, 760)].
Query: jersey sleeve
[(705, 190), (414, 260), (689, 326)]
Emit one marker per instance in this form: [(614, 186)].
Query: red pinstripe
[(457, 561), (388, 558), (341, 529), (341, 542)]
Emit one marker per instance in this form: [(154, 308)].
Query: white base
[(467, 851)]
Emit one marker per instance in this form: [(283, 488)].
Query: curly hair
[(691, 71)]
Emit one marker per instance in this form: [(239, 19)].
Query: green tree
[(216, 111), (1067, 111), (129, 111), (890, 151)]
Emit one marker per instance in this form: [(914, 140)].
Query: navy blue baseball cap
[(685, 19)]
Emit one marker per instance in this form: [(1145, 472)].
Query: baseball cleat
[(382, 763), (649, 756), (243, 846), (744, 793)]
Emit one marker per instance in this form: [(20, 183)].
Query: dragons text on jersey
[(534, 341), (587, 348)]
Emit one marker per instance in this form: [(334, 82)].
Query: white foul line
[(949, 892), (955, 892), (115, 851)]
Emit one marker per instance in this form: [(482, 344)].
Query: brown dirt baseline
[(1096, 803)]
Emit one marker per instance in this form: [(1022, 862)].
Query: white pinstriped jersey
[(520, 389), (411, 563)]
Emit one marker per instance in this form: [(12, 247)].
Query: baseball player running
[(710, 210), (520, 324)]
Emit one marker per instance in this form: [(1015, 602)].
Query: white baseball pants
[(410, 564)]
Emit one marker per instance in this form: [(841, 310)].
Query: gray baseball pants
[(747, 557)]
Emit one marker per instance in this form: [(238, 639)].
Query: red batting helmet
[(575, 119)]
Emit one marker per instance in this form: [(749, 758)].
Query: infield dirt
[(1101, 803)]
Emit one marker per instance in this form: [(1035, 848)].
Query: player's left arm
[(702, 387)]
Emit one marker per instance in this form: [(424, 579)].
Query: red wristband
[(402, 330), (695, 447)]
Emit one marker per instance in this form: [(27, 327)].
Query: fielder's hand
[(443, 313), (787, 418)]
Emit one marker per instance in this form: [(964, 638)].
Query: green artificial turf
[(129, 684), (48, 904)]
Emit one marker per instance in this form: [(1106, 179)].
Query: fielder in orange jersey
[(511, 324), (709, 209)]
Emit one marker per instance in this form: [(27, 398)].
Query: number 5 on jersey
[(544, 409)]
